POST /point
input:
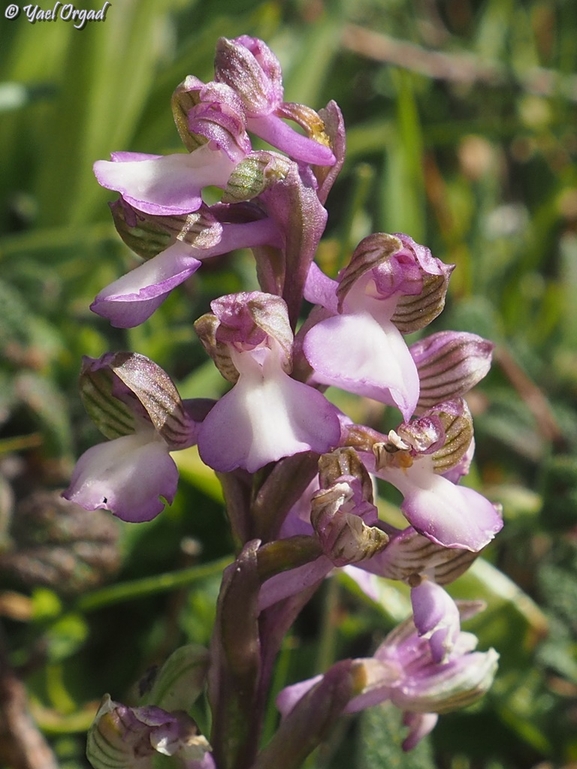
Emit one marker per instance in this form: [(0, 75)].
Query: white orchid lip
[(448, 514), (131, 476), (266, 416), (164, 185), (361, 355)]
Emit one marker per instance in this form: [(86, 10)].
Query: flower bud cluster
[(313, 501)]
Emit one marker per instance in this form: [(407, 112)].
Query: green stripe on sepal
[(112, 417), (149, 235), (411, 553), (121, 390), (255, 174), (458, 425), (141, 235), (106, 744), (413, 313), (205, 328), (157, 394), (183, 100)]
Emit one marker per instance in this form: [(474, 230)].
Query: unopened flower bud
[(344, 462), (250, 68), (129, 738), (337, 517)]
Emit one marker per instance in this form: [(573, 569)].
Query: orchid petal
[(420, 724), (294, 581), (436, 617), (133, 298), (361, 355), (127, 476), (264, 418), (290, 695), (283, 137), (442, 688), (320, 289), (451, 515), (165, 185)]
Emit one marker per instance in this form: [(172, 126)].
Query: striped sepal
[(112, 417), (184, 98), (255, 174), (107, 746), (458, 425), (121, 389), (449, 363), (148, 235), (157, 394), (411, 554), (414, 312), (370, 252)]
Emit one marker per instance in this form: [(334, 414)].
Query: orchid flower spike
[(267, 414), (391, 286), (134, 404)]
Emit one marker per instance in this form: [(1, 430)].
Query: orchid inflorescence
[(298, 475)]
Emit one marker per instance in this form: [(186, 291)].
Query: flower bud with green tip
[(342, 511), (130, 738), (288, 192), (180, 680), (337, 517)]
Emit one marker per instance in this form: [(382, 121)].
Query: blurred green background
[(461, 126)]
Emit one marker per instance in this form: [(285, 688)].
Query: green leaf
[(46, 401), (180, 680), (403, 205), (512, 622), (66, 636)]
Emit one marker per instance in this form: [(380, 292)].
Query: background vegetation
[(462, 133)]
